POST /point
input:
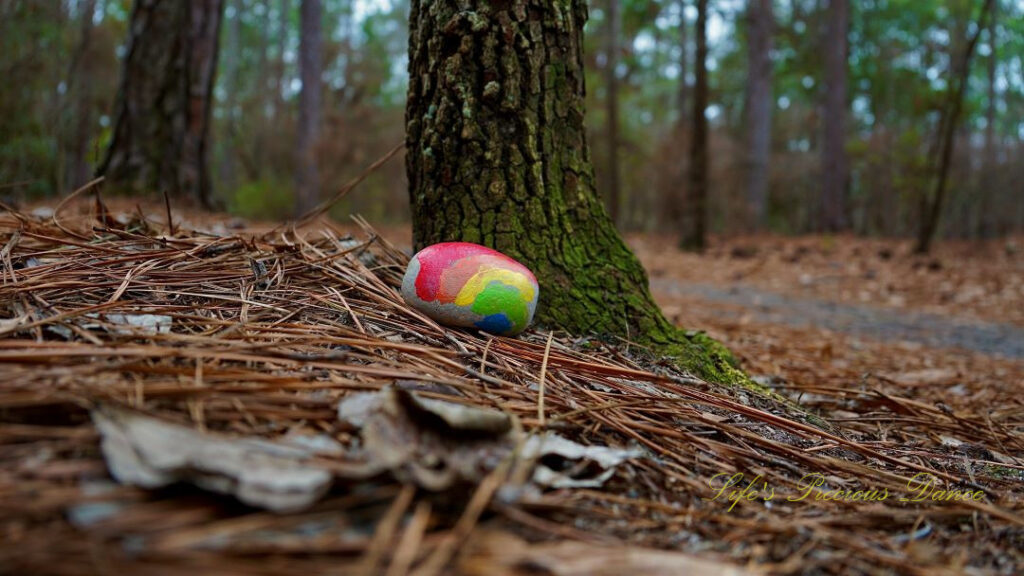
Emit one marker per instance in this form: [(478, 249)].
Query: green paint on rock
[(499, 298)]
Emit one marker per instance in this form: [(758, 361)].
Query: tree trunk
[(834, 163), (695, 236), (307, 173), (986, 209), (674, 197), (161, 131), (497, 155), (80, 87), (283, 27), (759, 107), (943, 150), (683, 90), (613, 30), (228, 170)]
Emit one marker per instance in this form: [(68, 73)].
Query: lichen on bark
[(497, 155)]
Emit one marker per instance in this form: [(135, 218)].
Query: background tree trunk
[(835, 166), (987, 193), (674, 196), (81, 90), (283, 28), (683, 89), (307, 173), (695, 235), (497, 155), (613, 30), (163, 110), (758, 107), (228, 171), (943, 150)]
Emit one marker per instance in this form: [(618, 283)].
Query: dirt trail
[(866, 321)]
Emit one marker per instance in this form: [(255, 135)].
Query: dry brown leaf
[(151, 453)]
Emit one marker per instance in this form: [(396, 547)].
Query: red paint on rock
[(446, 267)]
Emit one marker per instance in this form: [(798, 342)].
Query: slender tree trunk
[(497, 154), (307, 173), (263, 59), (695, 236), (81, 90), (230, 57), (945, 140), (613, 30), (759, 107), (683, 90), (986, 220), (675, 196), (161, 131), (835, 165), (283, 29)]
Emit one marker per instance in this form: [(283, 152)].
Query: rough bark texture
[(695, 235), (835, 166), (612, 31), (497, 155), (307, 173), (161, 131), (759, 107)]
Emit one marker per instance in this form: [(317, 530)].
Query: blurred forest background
[(821, 115)]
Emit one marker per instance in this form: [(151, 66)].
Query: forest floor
[(838, 312), (280, 367)]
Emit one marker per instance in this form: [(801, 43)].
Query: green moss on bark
[(497, 154)]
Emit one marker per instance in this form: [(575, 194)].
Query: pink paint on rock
[(446, 267)]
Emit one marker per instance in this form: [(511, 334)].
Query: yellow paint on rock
[(479, 281)]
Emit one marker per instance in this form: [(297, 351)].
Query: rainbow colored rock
[(472, 286)]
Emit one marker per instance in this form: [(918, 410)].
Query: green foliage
[(43, 75), (899, 64), (264, 199)]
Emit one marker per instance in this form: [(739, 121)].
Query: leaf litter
[(401, 446)]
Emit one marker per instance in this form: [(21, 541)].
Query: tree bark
[(758, 107), (307, 173), (834, 163), (161, 131), (613, 30), (695, 235), (497, 155), (943, 150)]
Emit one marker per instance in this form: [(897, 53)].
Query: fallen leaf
[(582, 466), (436, 443), (129, 323), (144, 451), (433, 443)]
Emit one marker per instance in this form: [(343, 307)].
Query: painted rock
[(468, 285)]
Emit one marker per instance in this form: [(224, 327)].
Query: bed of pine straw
[(272, 328)]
